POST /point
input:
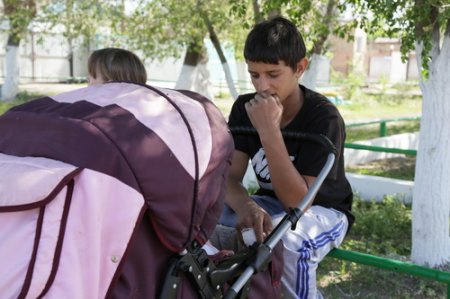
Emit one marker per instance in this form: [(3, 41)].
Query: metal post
[(383, 129)]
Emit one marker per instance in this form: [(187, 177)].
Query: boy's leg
[(318, 231), (225, 237)]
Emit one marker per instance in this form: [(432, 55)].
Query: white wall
[(45, 57)]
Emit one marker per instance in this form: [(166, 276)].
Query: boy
[(275, 55), (114, 64)]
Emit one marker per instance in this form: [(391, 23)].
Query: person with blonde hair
[(115, 64)]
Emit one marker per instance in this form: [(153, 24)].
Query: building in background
[(378, 59)]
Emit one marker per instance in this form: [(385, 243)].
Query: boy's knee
[(225, 237)]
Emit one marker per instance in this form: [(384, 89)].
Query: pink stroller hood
[(115, 178)]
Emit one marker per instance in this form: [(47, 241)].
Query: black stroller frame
[(208, 277)]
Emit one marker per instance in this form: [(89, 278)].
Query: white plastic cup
[(248, 234)]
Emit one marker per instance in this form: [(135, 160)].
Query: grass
[(372, 109), (383, 230), (399, 168), (373, 131), (21, 98), (402, 168)]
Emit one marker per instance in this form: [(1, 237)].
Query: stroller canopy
[(120, 175)]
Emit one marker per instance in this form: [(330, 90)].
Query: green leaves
[(413, 21), (19, 13), (316, 20)]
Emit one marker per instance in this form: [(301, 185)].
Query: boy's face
[(275, 79)]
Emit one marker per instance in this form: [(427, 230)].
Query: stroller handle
[(316, 138), (265, 249)]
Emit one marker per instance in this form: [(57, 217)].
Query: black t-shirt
[(317, 115)]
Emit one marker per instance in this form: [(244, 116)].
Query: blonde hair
[(114, 64)]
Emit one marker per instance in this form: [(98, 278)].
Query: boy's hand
[(250, 215), (265, 112)]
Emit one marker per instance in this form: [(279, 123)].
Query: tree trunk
[(19, 14), (309, 78), (431, 196), (202, 84), (258, 16), (189, 68), (223, 60), (276, 12), (194, 74), (10, 87)]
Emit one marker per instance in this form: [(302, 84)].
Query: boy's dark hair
[(115, 64), (274, 40)]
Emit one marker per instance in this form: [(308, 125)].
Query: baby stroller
[(111, 191)]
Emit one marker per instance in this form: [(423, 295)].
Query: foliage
[(382, 229), (317, 19), (419, 21), (22, 97), (81, 18), (164, 28), (19, 13), (247, 17), (350, 85), (157, 29), (402, 168), (161, 28)]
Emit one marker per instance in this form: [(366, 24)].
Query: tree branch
[(216, 43), (19, 15), (436, 33), (258, 16), (447, 29), (193, 53), (427, 31), (327, 20)]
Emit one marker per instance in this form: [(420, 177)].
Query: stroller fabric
[(100, 186)]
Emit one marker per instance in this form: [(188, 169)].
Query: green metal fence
[(381, 149), (383, 132), (383, 123), (392, 265)]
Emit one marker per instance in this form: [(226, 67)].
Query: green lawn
[(372, 109), (21, 98), (381, 229)]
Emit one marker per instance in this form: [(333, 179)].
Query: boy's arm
[(249, 214), (289, 185)]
